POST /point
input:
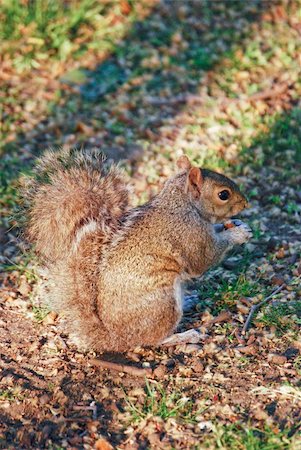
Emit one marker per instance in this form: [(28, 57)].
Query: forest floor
[(147, 81)]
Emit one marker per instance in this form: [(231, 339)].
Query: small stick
[(131, 370), (269, 93), (92, 407), (258, 306), (192, 99)]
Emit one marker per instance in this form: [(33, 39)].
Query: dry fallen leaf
[(277, 359), (224, 316), (248, 349), (50, 319), (102, 444)]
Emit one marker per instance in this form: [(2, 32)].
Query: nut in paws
[(241, 233)]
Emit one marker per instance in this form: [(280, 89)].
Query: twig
[(258, 306), (276, 91), (193, 99), (92, 407), (181, 98), (131, 370)]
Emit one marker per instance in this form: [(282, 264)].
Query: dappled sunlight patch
[(285, 391), (239, 99), (219, 81), (41, 44)]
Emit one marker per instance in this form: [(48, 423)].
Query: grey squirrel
[(116, 271)]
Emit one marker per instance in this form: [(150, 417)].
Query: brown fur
[(69, 189), (115, 272)]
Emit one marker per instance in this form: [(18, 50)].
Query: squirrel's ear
[(195, 181), (183, 163)]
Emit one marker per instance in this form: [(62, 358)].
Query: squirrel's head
[(215, 195)]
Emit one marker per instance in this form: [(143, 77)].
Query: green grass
[(40, 312), (293, 208), (231, 437), (282, 317), (35, 35), (10, 394), (37, 30), (225, 294), (257, 233), (160, 403), (297, 365), (23, 267), (282, 145), (41, 34)]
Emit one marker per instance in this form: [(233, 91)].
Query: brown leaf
[(125, 7), (102, 444), (92, 426), (248, 349), (280, 254), (24, 288), (240, 338), (277, 281), (50, 318), (160, 371), (222, 317), (277, 359), (251, 339), (259, 414), (207, 318), (246, 301), (197, 366), (189, 348), (81, 127), (242, 308)]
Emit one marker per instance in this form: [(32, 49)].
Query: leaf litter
[(220, 82)]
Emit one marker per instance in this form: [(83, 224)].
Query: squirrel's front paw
[(240, 233)]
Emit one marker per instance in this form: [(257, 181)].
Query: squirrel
[(115, 271)]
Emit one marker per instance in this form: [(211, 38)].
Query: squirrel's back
[(71, 190)]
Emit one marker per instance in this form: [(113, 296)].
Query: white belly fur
[(178, 294)]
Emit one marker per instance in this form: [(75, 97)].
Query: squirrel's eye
[(224, 195)]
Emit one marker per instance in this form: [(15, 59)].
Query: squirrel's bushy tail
[(68, 189)]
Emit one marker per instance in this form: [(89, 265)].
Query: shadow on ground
[(151, 77)]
